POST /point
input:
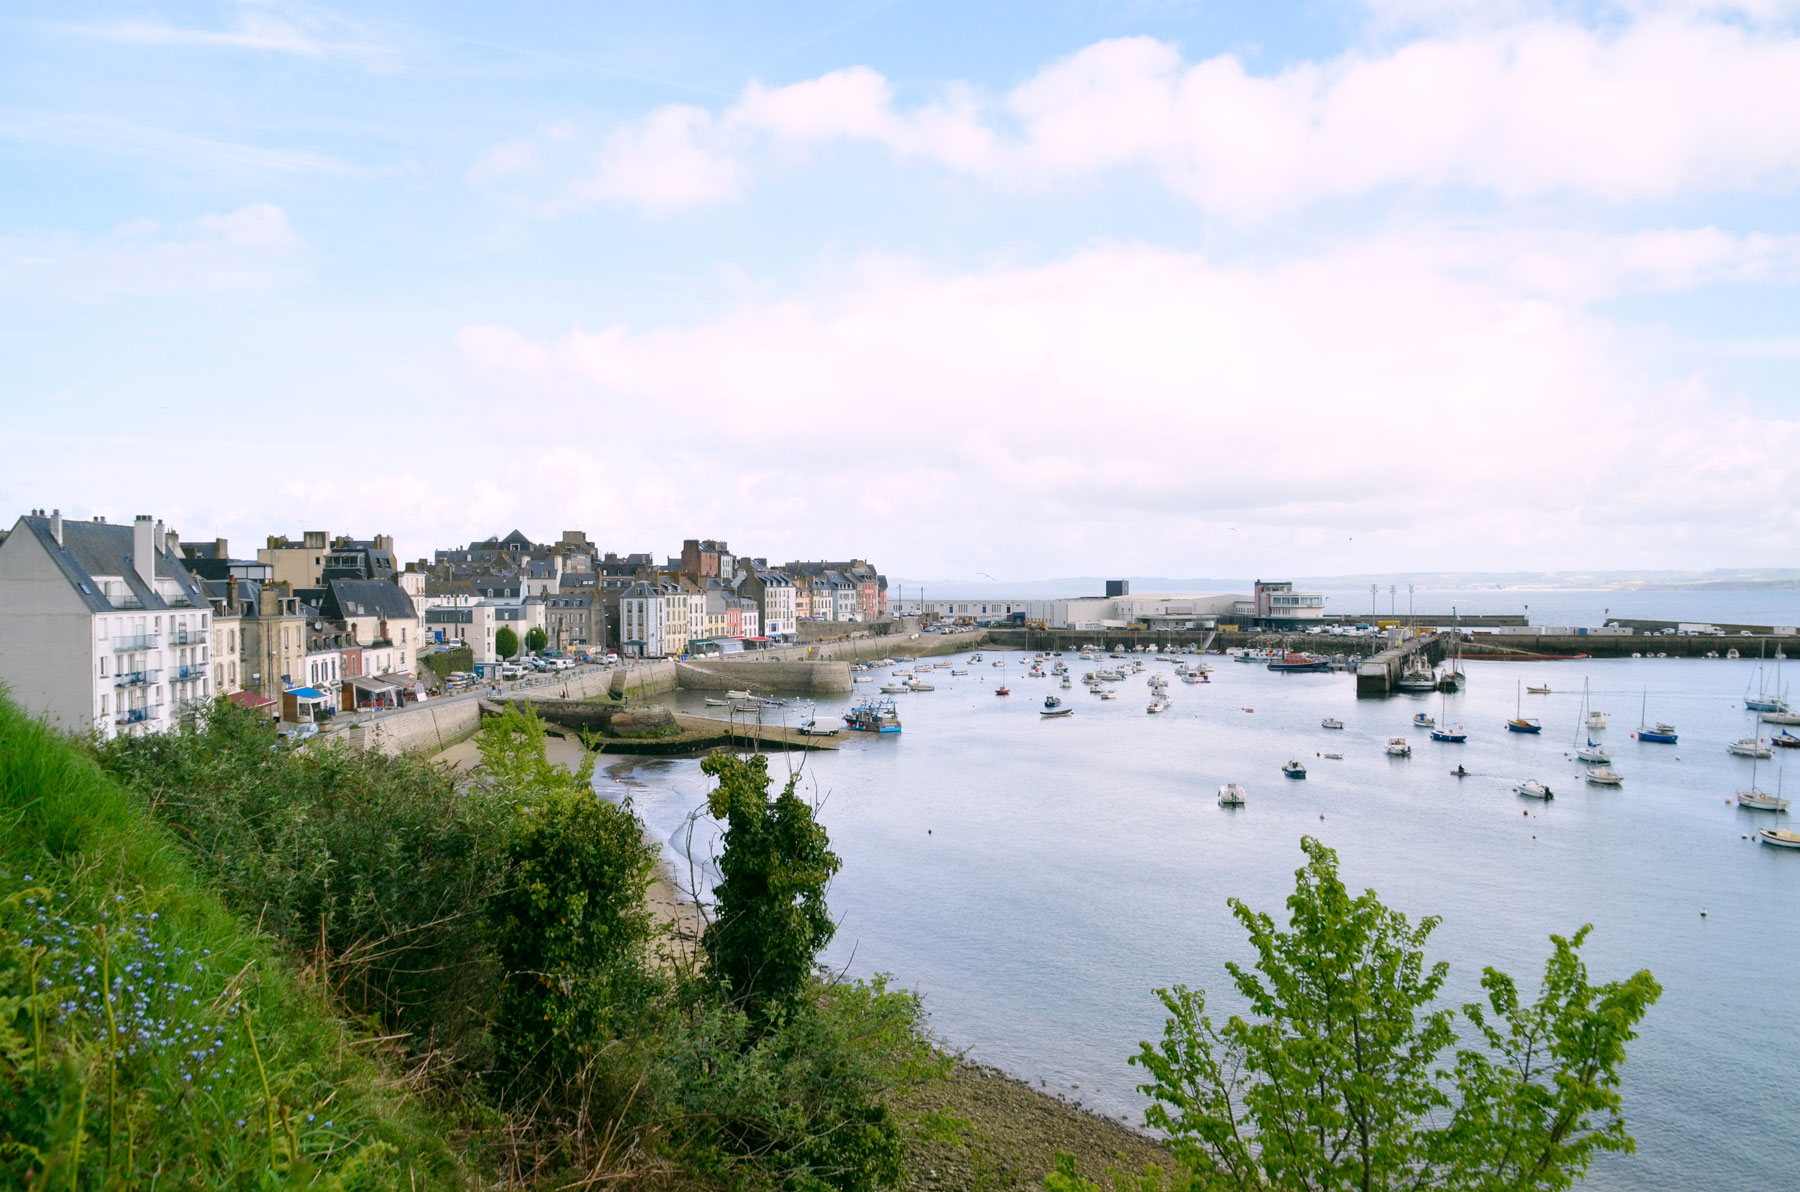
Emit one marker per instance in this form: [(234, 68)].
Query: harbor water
[(1036, 879)]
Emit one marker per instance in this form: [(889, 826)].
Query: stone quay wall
[(735, 674)]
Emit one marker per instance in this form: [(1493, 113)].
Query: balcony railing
[(183, 674), (135, 641), (133, 716), (138, 678)]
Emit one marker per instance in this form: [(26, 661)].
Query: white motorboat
[(1749, 747), (1231, 795), (1055, 707), (1605, 776), (1108, 693), (916, 685), (1531, 788), (1331, 722), (1596, 721), (894, 689), (1779, 837), (955, 673), (864, 679), (1157, 705), (1424, 720), (713, 702), (1334, 757), (1397, 747), (999, 662)]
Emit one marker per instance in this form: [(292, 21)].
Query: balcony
[(136, 641), (133, 716), (139, 678), (186, 674)]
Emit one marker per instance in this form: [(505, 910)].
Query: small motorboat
[(1331, 722), (1157, 705), (1294, 770), (1107, 693), (894, 689), (1596, 721), (916, 685), (999, 662), (1605, 776), (1334, 757), (1459, 772), (713, 702), (955, 673), (1537, 691), (1054, 707), (1423, 720), (1231, 795), (1531, 788), (1749, 747), (1779, 837), (1450, 735), (1397, 747), (1003, 689), (1066, 683)]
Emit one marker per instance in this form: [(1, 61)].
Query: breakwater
[(1520, 646)]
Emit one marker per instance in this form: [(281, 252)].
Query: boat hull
[(1519, 726), (1450, 738), (1656, 737)]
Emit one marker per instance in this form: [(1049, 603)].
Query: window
[(103, 705), (103, 666)]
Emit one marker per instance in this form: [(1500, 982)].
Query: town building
[(642, 615), (1279, 601), (102, 630)]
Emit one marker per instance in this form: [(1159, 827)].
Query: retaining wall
[(430, 726), (641, 679), (734, 674)]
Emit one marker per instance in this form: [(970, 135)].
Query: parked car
[(512, 670)]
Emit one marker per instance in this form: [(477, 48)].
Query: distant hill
[(1717, 580)]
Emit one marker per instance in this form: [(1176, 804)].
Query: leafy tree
[(571, 924), (1336, 1080), (775, 865), (506, 642), (536, 639)]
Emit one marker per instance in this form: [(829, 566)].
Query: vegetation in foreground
[(1346, 1074)]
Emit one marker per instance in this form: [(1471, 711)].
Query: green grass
[(149, 1037)]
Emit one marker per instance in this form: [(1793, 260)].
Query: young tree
[(506, 642), (536, 639), (776, 863), (1335, 1081)]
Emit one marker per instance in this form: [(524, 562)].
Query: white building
[(642, 616), (1084, 612), (101, 627), (1278, 599), (477, 625)]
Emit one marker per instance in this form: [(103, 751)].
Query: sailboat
[(1662, 734), (1591, 752), (1444, 732), (1762, 701), (1759, 800), (1518, 724)]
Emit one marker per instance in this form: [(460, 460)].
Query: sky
[(1014, 289)]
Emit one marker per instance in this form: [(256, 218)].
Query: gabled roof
[(89, 549), (368, 598)]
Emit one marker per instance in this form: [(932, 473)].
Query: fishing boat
[(1295, 663), (872, 716), (1418, 675), (1423, 720), (1531, 788), (1537, 691), (1590, 752), (1518, 724), (1662, 734), (1231, 795), (1331, 722), (1779, 837), (1066, 683), (1054, 707), (1397, 747), (1294, 770), (1605, 776)]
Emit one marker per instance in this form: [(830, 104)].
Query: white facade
[(1087, 612), (101, 628), (475, 625), (643, 613)]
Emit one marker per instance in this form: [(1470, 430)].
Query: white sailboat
[(1760, 800), (1591, 752)]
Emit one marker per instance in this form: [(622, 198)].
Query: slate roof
[(368, 598), (101, 548)]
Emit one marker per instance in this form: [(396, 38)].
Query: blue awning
[(307, 693)]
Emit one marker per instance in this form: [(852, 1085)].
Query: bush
[(376, 868), (506, 642)]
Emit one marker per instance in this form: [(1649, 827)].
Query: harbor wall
[(1623, 645), (642, 679), (1074, 639), (759, 674), (433, 726)]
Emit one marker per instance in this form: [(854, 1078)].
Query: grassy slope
[(205, 1062)]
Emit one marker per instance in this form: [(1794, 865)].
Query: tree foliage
[(774, 868), (536, 639), (1336, 1079), (506, 642)]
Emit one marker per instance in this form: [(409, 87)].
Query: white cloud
[(1661, 107), (1131, 405), (248, 250)]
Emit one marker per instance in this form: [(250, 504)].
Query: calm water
[(1036, 880)]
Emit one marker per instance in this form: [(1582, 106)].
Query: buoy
[(1703, 912)]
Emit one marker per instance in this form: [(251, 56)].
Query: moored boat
[(1424, 720), (1519, 724), (873, 716), (1231, 795), (1397, 747), (1749, 747), (1294, 770), (1296, 663), (1605, 776), (1785, 740), (1531, 788), (1054, 707), (1331, 722), (1779, 837)]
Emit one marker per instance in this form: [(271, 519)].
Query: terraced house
[(102, 629)]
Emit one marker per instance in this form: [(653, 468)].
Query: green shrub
[(146, 1038), (444, 662)]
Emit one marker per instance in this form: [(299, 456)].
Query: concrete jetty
[(1378, 674)]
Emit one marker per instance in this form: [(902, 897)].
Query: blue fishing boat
[(873, 716)]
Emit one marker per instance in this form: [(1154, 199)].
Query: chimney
[(144, 533), (56, 525)]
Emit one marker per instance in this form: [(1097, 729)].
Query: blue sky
[(1025, 289)]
